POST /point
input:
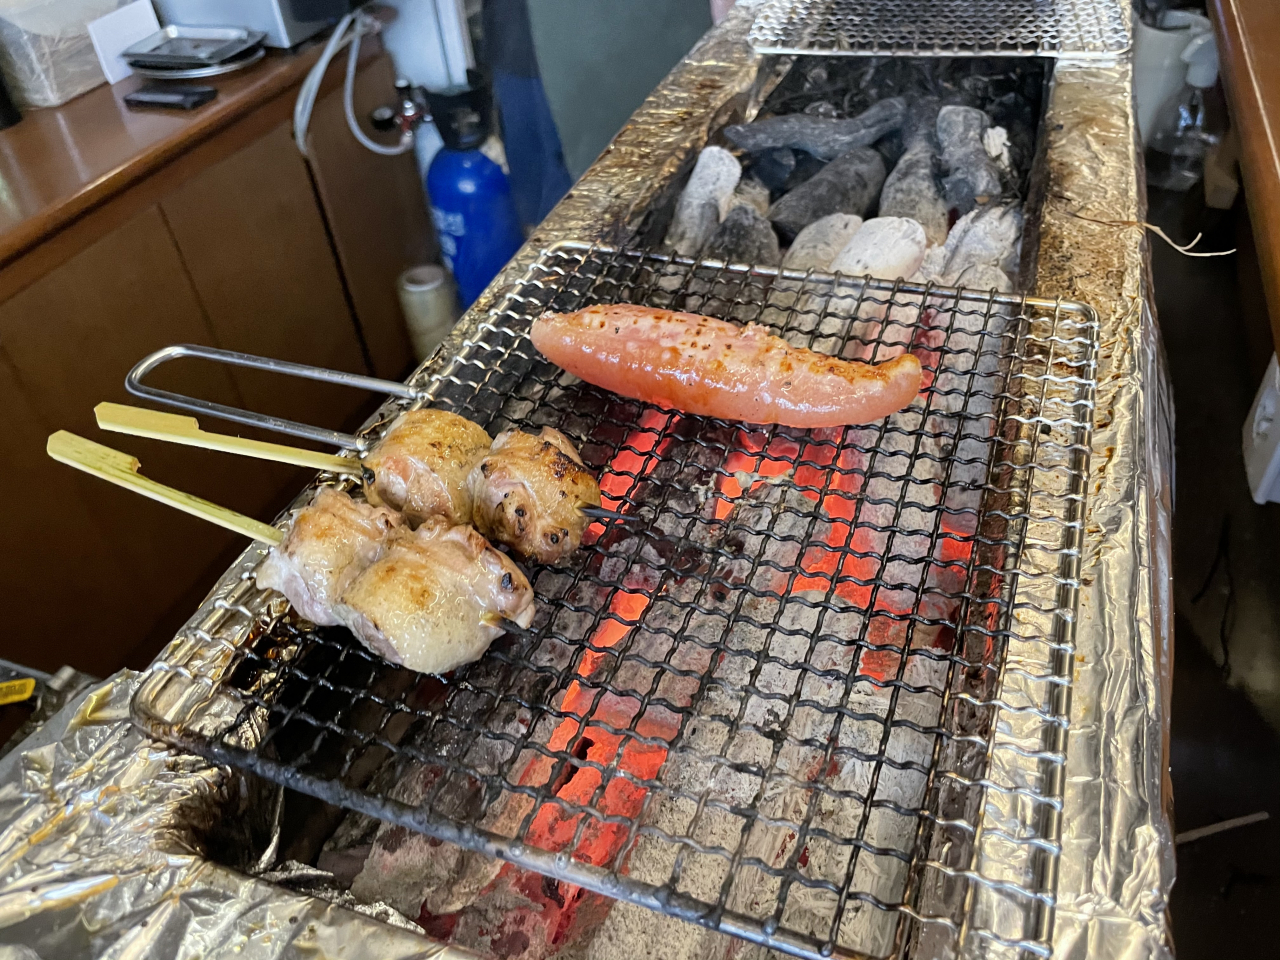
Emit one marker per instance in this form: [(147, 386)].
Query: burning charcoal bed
[(764, 703), (939, 152)]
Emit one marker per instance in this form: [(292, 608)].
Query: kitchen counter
[(1248, 32), (60, 162)]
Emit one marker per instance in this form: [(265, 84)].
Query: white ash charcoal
[(817, 244), (704, 200), (911, 190), (848, 184), (751, 193), (693, 225), (888, 248), (774, 168), (996, 142), (934, 264), (825, 138), (991, 236), (981, 276), (972, 177), (744, 237)]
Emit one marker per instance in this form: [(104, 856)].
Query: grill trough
[(807, 694)]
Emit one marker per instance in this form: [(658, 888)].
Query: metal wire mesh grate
[(953, 28), (816, 697)]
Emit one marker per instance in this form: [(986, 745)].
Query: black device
[(168, 96), (9, 114)]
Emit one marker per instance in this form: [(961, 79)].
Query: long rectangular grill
[(816, 696), (1080, 29)]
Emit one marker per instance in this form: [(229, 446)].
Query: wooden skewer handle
[(122, 470), (140, 422)]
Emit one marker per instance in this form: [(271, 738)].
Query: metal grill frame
[(1075, 29), (995, 776)]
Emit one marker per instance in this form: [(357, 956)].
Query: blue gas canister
[(471, 204)]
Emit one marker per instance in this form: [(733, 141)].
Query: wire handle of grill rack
[(134, 384)]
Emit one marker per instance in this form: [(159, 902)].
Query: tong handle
[(122, 470), (175, 428), (133, 383)]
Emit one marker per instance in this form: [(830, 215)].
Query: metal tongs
[(133, 383), (186, 430)]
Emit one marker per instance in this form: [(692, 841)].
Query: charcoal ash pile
[(896, 168)]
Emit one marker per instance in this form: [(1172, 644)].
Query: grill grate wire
[(1079, 29), (816, 698)]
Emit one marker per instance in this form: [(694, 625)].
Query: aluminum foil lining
[(98, 856), (1117, 864)]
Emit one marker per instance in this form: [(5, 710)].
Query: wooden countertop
[(61, 162), (1248, 34)]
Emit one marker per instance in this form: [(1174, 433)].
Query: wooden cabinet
[(232, 245), (276, 289)]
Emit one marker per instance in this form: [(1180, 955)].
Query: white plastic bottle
[(1184, 130)]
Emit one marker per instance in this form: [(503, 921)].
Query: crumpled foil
[(100, 819), (1117, 864), (99, 857)]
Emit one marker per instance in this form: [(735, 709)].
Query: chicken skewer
[(436, 597), (529, 492), (422, 466), (431, 601), (330, 543)]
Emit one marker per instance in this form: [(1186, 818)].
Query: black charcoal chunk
[(807, 167), (972, 177), (823, 137), (744, 237), (891, 147), (773, 167), (848, 184), (912, 190)]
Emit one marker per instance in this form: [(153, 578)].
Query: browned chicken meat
[(421, 465), (528, 493), (330, 542), (434, 599)]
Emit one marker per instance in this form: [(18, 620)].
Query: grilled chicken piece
[(433, 600), (421, 465), (527, 493), (330, 542)]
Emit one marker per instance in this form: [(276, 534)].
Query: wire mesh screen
[(954, 28), (812, 692)]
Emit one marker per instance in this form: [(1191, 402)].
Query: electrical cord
[(358, 23)]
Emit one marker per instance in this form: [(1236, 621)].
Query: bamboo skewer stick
[(175, 428), (122, 470)]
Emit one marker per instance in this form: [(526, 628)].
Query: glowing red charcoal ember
[(552, 828)]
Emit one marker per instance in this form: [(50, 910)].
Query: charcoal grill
[(1079, 29), (813, 692)]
